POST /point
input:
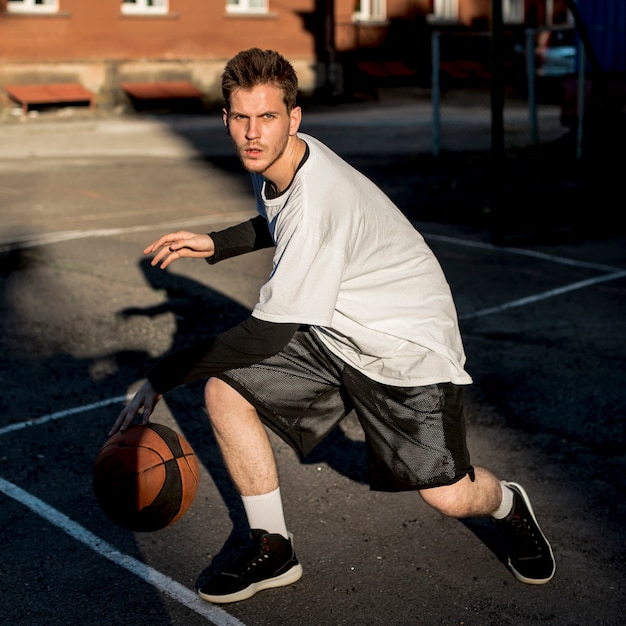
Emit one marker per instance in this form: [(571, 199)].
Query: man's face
[(260, 127)]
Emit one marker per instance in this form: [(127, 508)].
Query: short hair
[(253, 67)]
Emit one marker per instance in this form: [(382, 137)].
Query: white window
[(446, 10), (513, 11), (554, 20), (145, 7), (33, 6), (370, 10), (247, 6)]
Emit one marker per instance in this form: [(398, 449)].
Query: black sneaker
[(530, 554), (269, 562)]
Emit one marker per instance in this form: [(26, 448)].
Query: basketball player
[(355, 315)]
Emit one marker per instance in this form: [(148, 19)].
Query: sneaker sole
[(531, 581), (289, 577)]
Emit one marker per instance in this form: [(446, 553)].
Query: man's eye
[(269, 116)]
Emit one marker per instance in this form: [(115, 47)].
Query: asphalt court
[(82, 314)]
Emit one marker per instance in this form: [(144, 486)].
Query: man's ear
[(225, 117), (295, 118)]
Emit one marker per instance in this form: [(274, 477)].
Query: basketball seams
[(146, 478)]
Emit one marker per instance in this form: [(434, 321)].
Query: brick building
[(102, 43)]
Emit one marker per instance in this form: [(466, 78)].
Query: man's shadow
[(201, 311)]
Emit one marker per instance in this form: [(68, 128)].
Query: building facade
[(102, 43)]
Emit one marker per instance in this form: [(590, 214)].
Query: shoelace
[(261, 557), (526, 544)]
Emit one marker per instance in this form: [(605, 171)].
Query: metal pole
[(580, 101), (531, 78), (497, 82), (329, 41), (435, 54)]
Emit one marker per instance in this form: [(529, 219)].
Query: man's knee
[(222, 400), (215, 392), (450, 500)]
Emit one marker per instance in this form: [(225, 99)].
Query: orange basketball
[(146, 478)]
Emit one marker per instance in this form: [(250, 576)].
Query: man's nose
[(253, 129)]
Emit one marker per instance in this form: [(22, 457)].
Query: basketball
[(146, 477)]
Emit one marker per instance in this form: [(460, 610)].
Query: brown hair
[(253, 67)]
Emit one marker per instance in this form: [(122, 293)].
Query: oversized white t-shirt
[(348, 263)]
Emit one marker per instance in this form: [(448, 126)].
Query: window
[(560, 16), (33, 6), (446, 10), (145, 7), (247, 6), (513, 11), (370, 10)]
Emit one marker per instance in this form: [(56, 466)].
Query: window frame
[(243, 7), (446, 11), (141, 7), (513, 11), (29, 6), (370, 11)]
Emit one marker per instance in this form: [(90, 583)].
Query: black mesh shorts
[(415, 436)]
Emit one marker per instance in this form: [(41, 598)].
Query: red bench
[(52, 93)]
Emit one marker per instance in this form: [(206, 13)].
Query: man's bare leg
[(242, 438), (270, 561), (530, 555), (467, 498)]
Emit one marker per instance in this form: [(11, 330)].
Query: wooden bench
[(162, 91), (52, 93)]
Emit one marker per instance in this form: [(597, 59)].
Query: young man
[(355, 315)]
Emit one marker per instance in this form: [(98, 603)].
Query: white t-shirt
[(348, 263)]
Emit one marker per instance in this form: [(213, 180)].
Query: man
[(355, 315)]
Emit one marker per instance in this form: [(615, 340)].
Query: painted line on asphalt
[(61, 414), (468, 243), (163, 583), (615, 273), (43, 239), (544, 296), (30, 241)]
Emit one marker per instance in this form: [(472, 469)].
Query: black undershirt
[(251, 341)]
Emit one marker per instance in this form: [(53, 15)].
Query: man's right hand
[(180, 244), (142, 404)]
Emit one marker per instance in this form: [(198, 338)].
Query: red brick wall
[(96, 29)]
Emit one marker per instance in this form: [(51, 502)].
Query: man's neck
[(288, 165)]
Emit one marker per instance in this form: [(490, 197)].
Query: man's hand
[(178, 245), (142, 404)]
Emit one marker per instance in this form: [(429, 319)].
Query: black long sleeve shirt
[(251, 341)]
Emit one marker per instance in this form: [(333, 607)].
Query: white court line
[(163, 583), (522, 252), (60, 414), (544, 296), (615, 274), (31, 241)]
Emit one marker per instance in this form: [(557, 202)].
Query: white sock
[(506, 504), (266, 512)]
